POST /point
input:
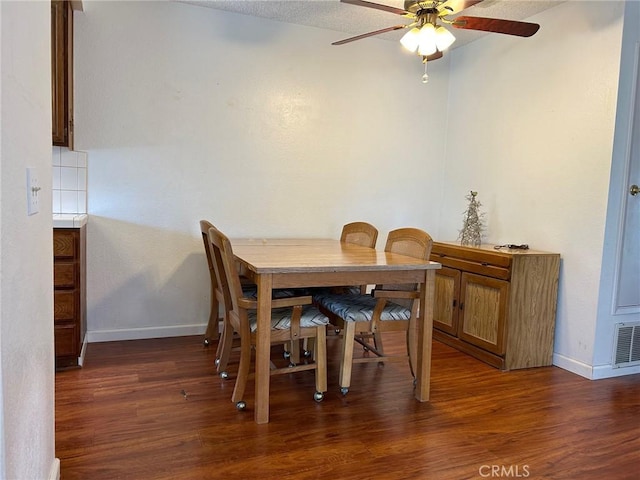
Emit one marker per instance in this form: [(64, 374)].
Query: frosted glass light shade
[(427, 40), (410, 39), (444, 38)]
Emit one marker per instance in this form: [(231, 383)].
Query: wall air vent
[(626, 345)]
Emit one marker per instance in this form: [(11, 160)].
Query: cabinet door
[(66, 341), (62, 72), (483, 311), (445, 310), (65, 305)]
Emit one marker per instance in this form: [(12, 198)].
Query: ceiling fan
[(427, 36)]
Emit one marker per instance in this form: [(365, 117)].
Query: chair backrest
[(226, 270), (360, 233), (204, 228), (412, 242)]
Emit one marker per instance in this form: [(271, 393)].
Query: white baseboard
[(83, 351), (145, 333), (54, 474), (592, 372), (606, 371), (573, 366)]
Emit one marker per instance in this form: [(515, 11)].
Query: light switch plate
[(33, 189)]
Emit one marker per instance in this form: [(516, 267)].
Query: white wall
[(26, 257), (261, 127), (531, 125), (265, 129)]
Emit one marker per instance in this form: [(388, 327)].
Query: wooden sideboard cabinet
[(62, 72), (69, 290), (497, 305)]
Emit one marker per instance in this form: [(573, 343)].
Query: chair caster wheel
[(224, 375), (206, 342), (306, 354), (318, 396), (344, 390), (291, 364), (286, 354), (337, 331), (217, 362), (241, 405), (366, 349)]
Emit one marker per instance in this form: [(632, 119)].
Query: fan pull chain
[(425, 77)]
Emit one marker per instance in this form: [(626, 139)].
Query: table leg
[(425, 334), (263, 348)]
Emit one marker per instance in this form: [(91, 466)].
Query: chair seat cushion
[(281, 318), (359, 308), (251, 291)]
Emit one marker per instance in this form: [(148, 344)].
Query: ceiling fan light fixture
[(427, 40), (410, 39), (444, 38)]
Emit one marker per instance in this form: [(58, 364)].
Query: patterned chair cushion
[(359, 308), (281, 318), (251, 291)]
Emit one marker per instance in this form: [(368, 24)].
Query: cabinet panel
[(64, 275), (66, 343), (64, 304), (64, 244), (445, 314), (484, 309)]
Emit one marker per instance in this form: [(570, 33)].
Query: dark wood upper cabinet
[(62, 72)]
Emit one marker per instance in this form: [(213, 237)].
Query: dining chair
[(292, 319), (389, 307), (363, 234), (218, 325), (213, 325)]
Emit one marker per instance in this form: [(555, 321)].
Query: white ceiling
[(349, 20)]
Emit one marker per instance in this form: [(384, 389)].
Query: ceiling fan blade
[(377, 6), (496, 25), (454, 6), (370, 34)]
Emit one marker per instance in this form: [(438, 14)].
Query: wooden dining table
[(295, 263)]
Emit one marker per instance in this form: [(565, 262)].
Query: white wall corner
[(54, 474), (573, 366)]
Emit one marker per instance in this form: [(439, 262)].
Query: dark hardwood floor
[(155, 409)]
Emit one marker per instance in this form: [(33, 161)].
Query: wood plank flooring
[(155, 409)]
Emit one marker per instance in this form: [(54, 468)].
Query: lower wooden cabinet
[(497, 305), (69, 287)]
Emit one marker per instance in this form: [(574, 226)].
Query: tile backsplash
[(69, 181)]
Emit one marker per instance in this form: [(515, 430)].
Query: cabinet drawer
[(472, 254), (66, 340), (482, 268), (64, 275), (64, 305), (64, 244), (469, 259)]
